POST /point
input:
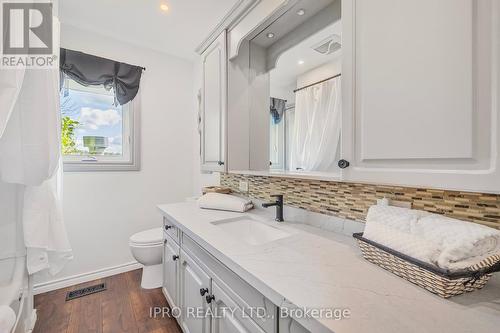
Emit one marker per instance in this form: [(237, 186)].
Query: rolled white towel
[(402, 219), (392, 227), (403, 242), (442, 241), (227, 202), (7, 319), (461, 243)]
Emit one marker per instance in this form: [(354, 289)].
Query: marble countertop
[(318, 269)]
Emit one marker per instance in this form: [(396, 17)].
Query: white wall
[(102, 209), (320, 73), (283, 92)]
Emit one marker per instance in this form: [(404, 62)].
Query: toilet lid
[(151, 236)]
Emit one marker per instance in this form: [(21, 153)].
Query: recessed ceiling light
[(301, 12), (164, 7), (270, 35), (301, 62)]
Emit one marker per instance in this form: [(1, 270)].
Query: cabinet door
[(228, 317), (213, 106), (289, 325), (194, 306), (171, 271), (419, 86)]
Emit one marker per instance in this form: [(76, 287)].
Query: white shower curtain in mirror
[(30, 156), (316, 132)]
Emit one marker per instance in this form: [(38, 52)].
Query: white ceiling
[(290, 20), (288, 69), (141, 22)]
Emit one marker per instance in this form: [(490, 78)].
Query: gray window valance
[(89, 70)]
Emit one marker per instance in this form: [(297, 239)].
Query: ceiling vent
[(328, 45)]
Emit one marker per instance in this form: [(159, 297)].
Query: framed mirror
[(297, 62)]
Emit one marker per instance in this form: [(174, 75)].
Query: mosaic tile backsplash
[(351, 200)]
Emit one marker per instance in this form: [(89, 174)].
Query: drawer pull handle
[(210, 298), (167, 227), (175, 257), (203, 291)]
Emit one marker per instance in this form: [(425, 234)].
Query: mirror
[(302, 51)]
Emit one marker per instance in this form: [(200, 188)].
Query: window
[(97, 134)]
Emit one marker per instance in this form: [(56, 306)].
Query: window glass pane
[(91, 124)]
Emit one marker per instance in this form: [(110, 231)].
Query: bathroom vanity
[(409, 91), (215, 261)]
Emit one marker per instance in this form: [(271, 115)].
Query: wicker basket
[(434, 279)]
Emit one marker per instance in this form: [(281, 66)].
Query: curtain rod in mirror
[(313, 84)]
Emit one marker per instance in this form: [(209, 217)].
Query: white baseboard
[(44, 287)]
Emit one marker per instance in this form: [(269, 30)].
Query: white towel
[(402, 219), (401, 241), (461, 243), (447, 243), (227, 202), (7, 319)]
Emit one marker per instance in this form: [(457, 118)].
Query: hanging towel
[(277, 109), (227, 202)]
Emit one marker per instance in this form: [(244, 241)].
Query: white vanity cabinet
[(420, 81), (212, 298), (171, 256), (213, 104), (195, 286)]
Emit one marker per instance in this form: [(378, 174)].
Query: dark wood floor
[(123, 307)]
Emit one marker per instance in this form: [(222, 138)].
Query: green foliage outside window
[(68, 144)]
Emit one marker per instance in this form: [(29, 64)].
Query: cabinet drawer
[(245, 295), (170, 229), (231, 321)]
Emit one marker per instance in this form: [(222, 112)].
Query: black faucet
[(279, 206)]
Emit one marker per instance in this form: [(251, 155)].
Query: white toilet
[(147, 247)]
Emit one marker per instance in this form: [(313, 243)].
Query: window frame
[(132, 132)]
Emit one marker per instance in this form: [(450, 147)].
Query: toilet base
[(152, 277)]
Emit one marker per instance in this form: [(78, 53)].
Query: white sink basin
[(250, 231)]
